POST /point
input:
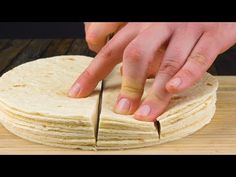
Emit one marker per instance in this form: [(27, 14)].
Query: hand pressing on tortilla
[(177, 54)]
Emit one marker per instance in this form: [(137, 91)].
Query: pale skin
[(176, 55)]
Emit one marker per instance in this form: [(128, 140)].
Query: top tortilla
[(39, 88)]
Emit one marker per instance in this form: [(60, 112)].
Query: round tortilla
[(34, 105)]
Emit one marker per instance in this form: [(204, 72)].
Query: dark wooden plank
[(58, 47), (10, 51), (33, 51), (79, 47), (91, 53), (4, 43)]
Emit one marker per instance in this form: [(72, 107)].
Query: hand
[(96, 33), (180, 52)]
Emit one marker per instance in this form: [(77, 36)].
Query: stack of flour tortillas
[(34, 105)]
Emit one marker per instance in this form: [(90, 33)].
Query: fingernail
[(74, 90), (144, 110), (123, 106), (175, 82)]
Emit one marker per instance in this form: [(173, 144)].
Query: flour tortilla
[(187, 112), (40, 88), (121, 131), (34, 105), (33, 98)]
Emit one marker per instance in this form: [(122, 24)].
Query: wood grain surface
[(18, 51)]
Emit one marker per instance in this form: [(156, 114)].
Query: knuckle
[(131, 90), (133, 53), (155, 95), (158, 94), (88, 75), (91, 39), (187, 73), (106, 51), (177, 53), (158, 97), (199, 59), (170, 67)]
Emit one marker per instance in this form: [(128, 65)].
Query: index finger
[(103, 63)]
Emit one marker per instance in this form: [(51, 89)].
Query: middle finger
[(136, 59)]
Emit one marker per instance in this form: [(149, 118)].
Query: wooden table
[(18, 51), (219, 137)]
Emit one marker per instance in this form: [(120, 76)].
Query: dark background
[(22, 30), (225, 64)]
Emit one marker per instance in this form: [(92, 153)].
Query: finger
[(155, 102), (196, 65), (175, 56), (97, 33), (103, 63), (153, 66), (136, 59), (86, 26)]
